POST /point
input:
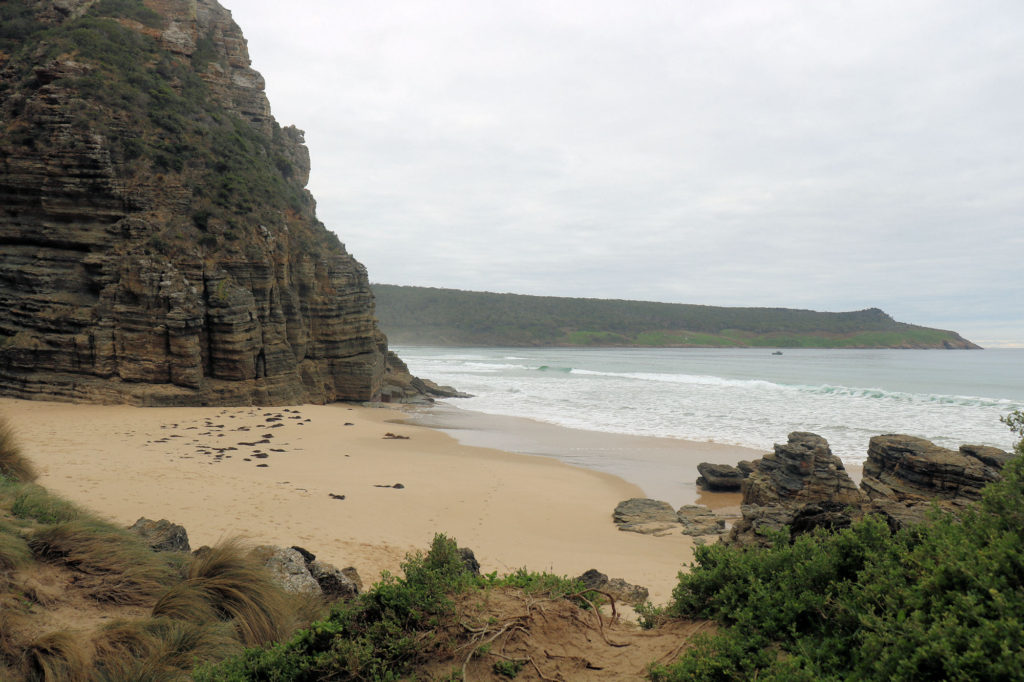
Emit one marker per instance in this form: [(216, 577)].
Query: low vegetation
[(400, 624), (937, 601), (447, 317)]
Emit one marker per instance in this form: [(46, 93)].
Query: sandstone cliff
[(157, 245)]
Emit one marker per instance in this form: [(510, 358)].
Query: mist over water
[(746, 397)]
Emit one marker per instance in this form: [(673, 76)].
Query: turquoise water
[(746, 397)]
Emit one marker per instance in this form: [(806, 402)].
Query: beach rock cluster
[(157, 259), (803, 486), (655, 517)]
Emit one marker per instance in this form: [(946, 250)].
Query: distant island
[(450, 317)]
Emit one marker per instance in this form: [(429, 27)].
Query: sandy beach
[(277, 476)]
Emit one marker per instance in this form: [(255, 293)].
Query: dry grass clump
[(226, 583), (119, 568), (13, 463), (57, 657), (14, 550), (159, 649)]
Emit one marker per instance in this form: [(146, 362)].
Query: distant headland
[(450, 317)]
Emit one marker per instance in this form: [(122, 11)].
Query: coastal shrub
[(383, 633), (377, 636), (13, 463), (940, 600)]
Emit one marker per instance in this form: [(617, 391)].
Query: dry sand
[(201, 468)]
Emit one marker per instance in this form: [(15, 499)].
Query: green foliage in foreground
[(944, 600), (449, 317), (382, 633)]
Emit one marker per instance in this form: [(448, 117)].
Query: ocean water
[(747, 397)]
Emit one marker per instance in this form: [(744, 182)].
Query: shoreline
[(664, 468), (275, 476)]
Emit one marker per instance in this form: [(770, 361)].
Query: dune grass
[(13, 463), (226, 583), (58, 656), (120, 569), (158, 649)]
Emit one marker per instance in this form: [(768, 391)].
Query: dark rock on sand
[(162, 535), (646, 516), (469, 560), (333, 581), (719, 477)]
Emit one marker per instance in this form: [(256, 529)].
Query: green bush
[(941, 600)]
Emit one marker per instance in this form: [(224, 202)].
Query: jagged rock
[(698, 520), (162, 535), (721, 477), (803, 486), (469, 560), (801, 480), (193, 272), (288, 569), (649, 517), (905, 475), (616, 587), (801, 470), (745, 467), (334, 582)]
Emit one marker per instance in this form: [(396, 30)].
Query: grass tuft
[(13, 463), (159, 649), (57, 657), (227, 584), (14, 550), (119, 567)]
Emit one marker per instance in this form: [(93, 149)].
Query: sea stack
[(157, 242)]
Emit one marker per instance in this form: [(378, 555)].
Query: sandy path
[(201, 467)]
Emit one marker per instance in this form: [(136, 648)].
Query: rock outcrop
[(157, 242), (803, 486), (905, 476), (801, 480)]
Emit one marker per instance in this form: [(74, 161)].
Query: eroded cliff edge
[(157, 242)]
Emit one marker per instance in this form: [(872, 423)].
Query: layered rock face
[(905, 476), (157, 245), (802, 485)]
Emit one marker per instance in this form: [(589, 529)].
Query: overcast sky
[(817, 154)]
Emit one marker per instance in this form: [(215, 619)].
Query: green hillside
[(449, 317)]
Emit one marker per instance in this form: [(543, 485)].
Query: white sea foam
[(744, 397)]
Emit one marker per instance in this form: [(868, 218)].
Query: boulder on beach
[(698, 520), (646, 516), (162, 535), (719, 477)]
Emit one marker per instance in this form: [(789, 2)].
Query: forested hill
[(449, 317)]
